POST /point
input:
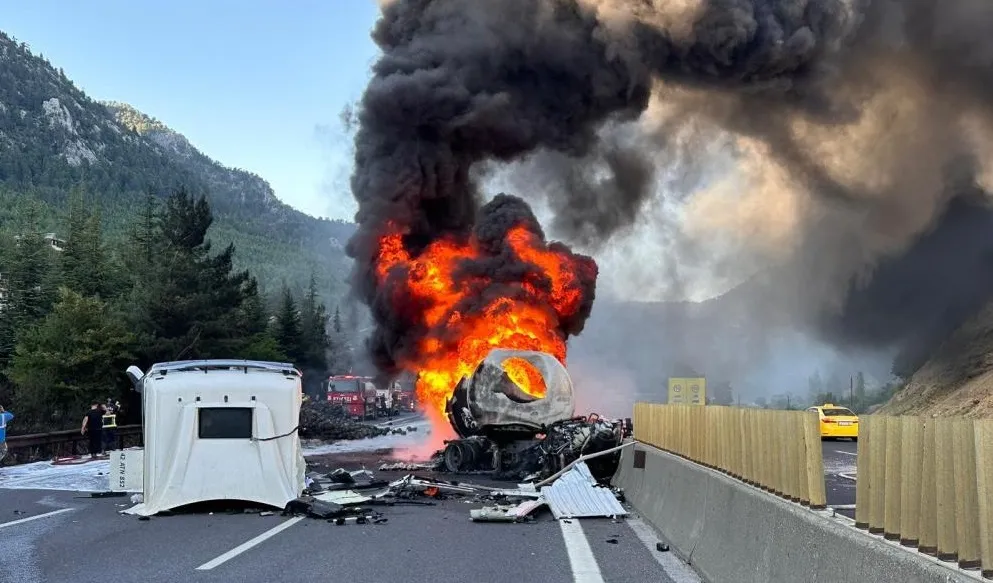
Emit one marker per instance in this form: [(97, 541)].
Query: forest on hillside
[(76, 311), (54, 137)]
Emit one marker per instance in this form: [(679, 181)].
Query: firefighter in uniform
[(109, 425)]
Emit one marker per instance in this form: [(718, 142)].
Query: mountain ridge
[(54, 137)]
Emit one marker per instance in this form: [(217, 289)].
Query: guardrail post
[(966, 497), (863, 474), (877, 476), (892, 485), (910, 478), (779, 454), (984, 487), (765, 427), (929, 490), (742, 444), (749, 445), (945, 470), (794, 454), (815, 461)]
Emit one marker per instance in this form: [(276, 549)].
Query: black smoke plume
[(862, 106)]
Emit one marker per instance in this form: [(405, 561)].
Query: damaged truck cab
[(218, 430)]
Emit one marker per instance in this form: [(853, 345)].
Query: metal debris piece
[(519, 493), (406, 467), (343, 497), (500, 513), (341, 476), (575, 494)]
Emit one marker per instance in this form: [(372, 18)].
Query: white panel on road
[(127, 470), (576, 494)]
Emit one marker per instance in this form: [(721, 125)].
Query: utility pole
[(851, 392)]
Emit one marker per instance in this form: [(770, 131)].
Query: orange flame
[(457, 341)]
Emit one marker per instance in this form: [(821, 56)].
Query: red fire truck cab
[(356, 394), (404, 398)]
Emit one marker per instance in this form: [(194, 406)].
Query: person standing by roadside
[(109, 425), (5, 418), (93, 428)]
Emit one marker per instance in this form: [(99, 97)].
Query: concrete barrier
[(733, 533)]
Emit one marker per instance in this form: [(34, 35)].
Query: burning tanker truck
[(518, 435)]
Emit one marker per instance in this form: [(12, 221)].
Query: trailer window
[(225, 423)]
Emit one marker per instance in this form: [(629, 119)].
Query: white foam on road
[(412, 440), (92, 476), (86, 477)]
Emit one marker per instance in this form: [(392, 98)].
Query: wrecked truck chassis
[(502, 429), (542, 455)]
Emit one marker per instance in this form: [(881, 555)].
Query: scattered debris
[(406, 467), (330, 422), (518, 513), (341, 479)]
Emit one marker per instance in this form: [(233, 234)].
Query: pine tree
[(190, 303), (29, 280), (288, 332), (314, 327), (84, 258), (341, 359), (73, 356)]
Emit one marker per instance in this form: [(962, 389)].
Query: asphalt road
[(839, 474), (54, 537)]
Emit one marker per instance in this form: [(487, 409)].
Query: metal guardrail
[(63, 444), (777, 451)]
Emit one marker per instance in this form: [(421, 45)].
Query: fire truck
[(363, 400), (356, 394), (404, 396)]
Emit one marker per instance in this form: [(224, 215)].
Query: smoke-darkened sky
[(854, 124)]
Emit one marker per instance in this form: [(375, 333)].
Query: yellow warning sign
[(688, 391)]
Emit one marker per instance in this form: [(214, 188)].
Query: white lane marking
[(30, 518), (245, 546), (676, 569), (584, 566), (853, 454)]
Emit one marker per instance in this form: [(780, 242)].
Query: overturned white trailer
[(219, 430)]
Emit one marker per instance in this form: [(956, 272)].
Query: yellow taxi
[(837, 422)]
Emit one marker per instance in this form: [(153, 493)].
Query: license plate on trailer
[(844, 423)]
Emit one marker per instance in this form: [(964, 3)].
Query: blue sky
[(253, 84)]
